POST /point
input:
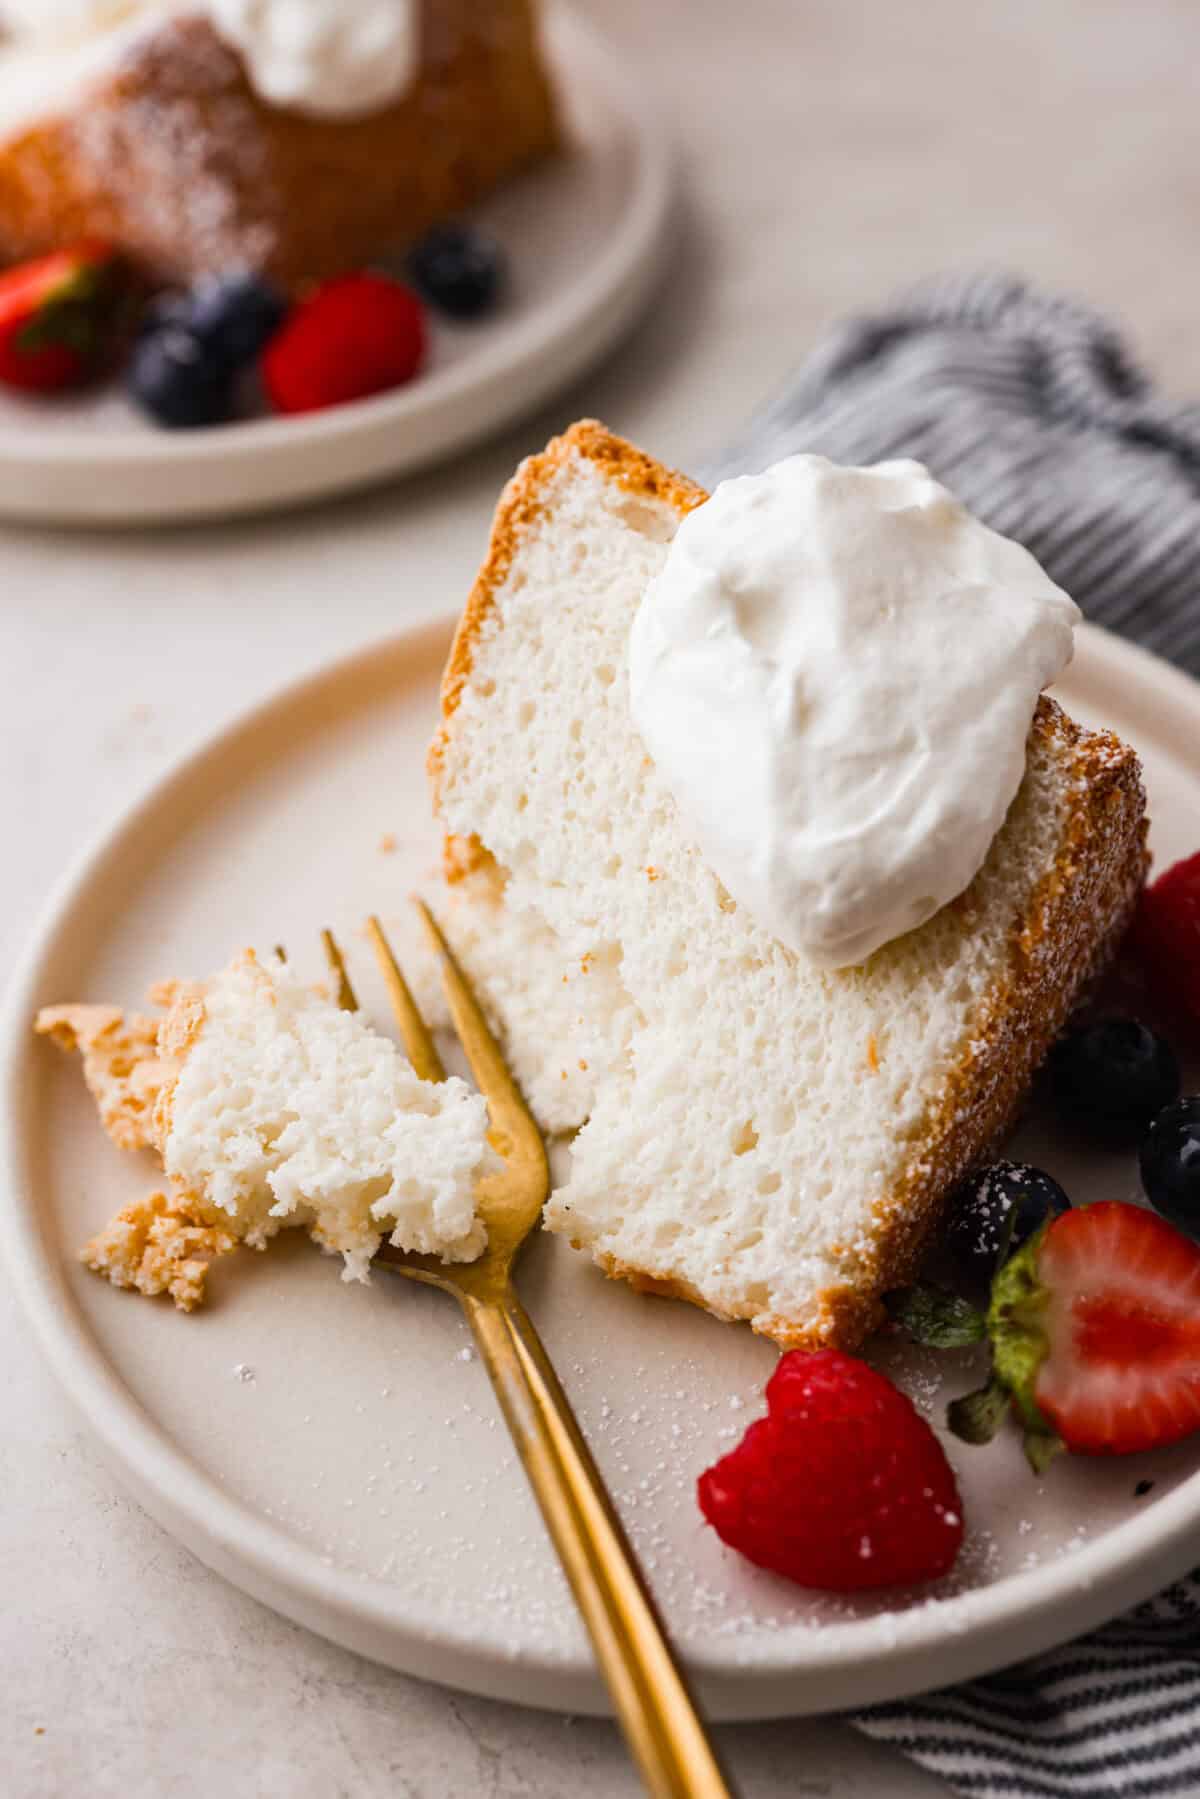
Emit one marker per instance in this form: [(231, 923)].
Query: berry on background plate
[(193, 346), (1112, 1077), (1166, 937), (173, 381), (994, 1212), (59, 317), (234, 316), (459, 269), (355, 336), (1170, 1164), (842, 1485)]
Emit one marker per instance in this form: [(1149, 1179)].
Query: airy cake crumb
[(268, 1106), (159, 1245)]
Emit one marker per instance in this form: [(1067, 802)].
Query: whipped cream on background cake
[(835, 673), (334, 58)]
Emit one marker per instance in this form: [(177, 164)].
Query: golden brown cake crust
[(520, 506), (176, 159), (131, 1064), (121, 1065), (1078, 915)]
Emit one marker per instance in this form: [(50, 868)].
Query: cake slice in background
[(767, 1138), (143, 124)]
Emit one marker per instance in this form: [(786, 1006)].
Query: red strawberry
[(1121, 1321), (842, 1485), (354, 336), (1166, 937), (1095, 1328), (57, 317)]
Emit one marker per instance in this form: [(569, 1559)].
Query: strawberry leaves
[(939, 1319), (71, 315), (935, 1317), (61, 317), (976, 1417)]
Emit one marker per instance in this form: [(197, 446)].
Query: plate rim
[(615, 284), (936, 1642)]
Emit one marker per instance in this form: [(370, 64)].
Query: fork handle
[(662, 1726)]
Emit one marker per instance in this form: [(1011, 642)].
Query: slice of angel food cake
[(268, 1106), (777, 869)]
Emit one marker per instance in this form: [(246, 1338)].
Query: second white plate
[(336, 1450), (585, 238)]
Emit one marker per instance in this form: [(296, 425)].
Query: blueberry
[(1170, 1164), (458, 269), (172, 380), (1113, 1077), (169, 309), (996, 1210), (232, 316)]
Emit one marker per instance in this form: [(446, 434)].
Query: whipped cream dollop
[(64, 19), (835, 673), (333, 58)]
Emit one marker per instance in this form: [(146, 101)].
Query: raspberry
[(842, 1485), (1166, 937)]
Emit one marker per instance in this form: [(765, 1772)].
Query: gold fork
[(662, 1726)]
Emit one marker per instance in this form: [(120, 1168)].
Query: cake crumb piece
[(158, 1245), (121, 1064), (387, 844)]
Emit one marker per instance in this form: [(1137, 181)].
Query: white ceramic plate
[(358, 1477), (585, 236)]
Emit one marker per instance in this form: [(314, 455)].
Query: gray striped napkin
[(1032, 410)]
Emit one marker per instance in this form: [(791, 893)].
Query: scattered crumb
[(387, 844), (243, 1372), (158, 1245), (1143, 1487), (39, 1730), (466, 1354), (653, 874)]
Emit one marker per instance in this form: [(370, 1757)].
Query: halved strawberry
[(57, 317), (1121, 1324), (1095, 1332)]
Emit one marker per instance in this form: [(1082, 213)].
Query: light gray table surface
[(832, 150)]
